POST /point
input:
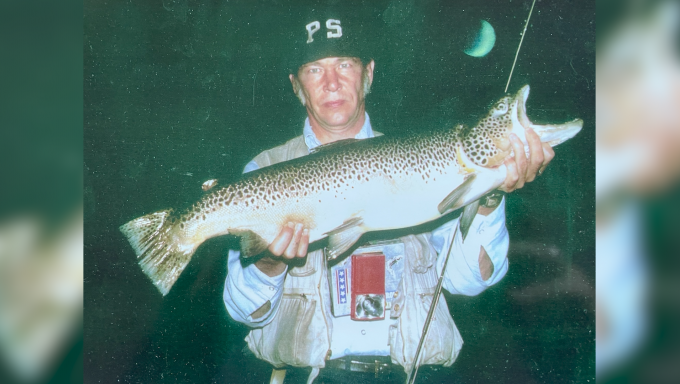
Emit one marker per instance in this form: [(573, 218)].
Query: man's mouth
[(334, 103)]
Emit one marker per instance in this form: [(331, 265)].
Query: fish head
[(488, 143), (552, 134)]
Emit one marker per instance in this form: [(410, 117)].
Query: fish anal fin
[(343, 237), (467, 217), (251, 243), (453, 200)]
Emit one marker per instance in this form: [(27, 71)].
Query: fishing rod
[(520, 46), (435, 300), (410, 379)]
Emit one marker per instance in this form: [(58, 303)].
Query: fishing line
[(520, 46), (435, 300)]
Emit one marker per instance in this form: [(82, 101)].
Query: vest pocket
[(442, 342), (291, 338), (309, 268)]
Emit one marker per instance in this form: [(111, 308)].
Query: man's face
[(333, 90)]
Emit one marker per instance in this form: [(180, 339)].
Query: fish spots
[(338, 172)]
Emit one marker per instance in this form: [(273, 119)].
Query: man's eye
[(314, 70), (344, 65)]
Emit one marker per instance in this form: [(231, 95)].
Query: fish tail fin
[(162, 251)]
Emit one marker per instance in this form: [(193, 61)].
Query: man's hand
[(522, 170), (290, 243)]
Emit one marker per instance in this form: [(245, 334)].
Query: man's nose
[(331, 81)]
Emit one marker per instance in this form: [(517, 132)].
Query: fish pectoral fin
[(466, 218), (251, 243), (343, 237), (452, 201)]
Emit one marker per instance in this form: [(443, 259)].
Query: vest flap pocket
[(308, 269), (294, 337)]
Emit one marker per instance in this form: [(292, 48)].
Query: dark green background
[(177, 92)]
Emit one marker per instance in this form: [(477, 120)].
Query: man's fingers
[(280, 243), (304, 243), (520, 160), (536, 155), (292, 249), (512, 176), (548, 154)]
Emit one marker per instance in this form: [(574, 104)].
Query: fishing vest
[(300, 333)]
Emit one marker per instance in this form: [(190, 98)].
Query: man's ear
[(296, 89), (294, 83), (367, 78), (369, 71)]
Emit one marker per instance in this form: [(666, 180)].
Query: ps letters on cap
[(332, 25)]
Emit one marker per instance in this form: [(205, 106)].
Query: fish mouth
[(521, 102), (552, 134)]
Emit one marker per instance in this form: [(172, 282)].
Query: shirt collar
[(312, 142)]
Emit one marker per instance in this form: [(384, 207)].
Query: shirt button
[(396, 293), (272, 288), (396, 307), (363, 331)]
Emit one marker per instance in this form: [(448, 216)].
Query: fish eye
[(501, 108)]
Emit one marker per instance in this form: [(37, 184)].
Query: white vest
[(300, 333)]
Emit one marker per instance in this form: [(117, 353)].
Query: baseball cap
[(329, 32)]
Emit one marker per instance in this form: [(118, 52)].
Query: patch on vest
[(341, 275)]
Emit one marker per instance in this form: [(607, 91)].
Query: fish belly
[(385, 203)]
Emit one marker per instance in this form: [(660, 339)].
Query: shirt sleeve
[(247, 289), (463, 275)]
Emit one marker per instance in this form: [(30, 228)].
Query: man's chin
[(335, 120)]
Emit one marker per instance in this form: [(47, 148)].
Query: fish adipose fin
[(343, 237), (161, 250), (251, 243), (452, 201), (466, 218)]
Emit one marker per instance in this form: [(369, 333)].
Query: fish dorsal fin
[(335, 144), (453, 200), (251, 243), (343, 237)]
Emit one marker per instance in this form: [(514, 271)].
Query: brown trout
[(346, 189)]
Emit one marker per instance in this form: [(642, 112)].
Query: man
[(285, 296)]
